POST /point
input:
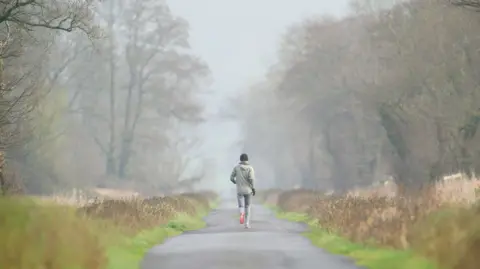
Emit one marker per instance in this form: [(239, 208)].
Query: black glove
[(253, 191)]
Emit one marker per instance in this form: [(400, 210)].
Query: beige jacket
[(243, 176)]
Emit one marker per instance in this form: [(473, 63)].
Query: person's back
[(243, 172), (243, 177)]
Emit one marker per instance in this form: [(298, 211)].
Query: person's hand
[(253, 191)]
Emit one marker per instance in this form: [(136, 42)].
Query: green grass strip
[(366, 256), (130, 252)]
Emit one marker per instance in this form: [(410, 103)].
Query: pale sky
[(238, 40)]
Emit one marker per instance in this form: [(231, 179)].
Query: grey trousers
[(244, 202)]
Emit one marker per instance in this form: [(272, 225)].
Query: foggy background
[(239, 41)]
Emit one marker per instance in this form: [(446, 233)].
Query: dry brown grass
[(451, 237), (138, 213), (442, 223), (144, 213), (54, 234), (40, 236)]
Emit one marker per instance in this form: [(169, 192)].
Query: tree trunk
[(110, 169), (124, 156), (309, 178), (110, 163)]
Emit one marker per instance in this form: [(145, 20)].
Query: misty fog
[(163, 96), (239, 51)]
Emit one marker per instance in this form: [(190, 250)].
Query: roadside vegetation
[(87, 102), (110, 234), (438, 229)]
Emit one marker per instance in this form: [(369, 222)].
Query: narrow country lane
[(271, 243)]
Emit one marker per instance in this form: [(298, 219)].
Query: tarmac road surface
[(271, 243)]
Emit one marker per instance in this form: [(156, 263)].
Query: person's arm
[(233, 175), (251, 177)]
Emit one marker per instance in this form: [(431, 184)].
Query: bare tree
[(153, 79), (154, 54), (52, 14), (27, 32)]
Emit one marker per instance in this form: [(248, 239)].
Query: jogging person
[(243, 176)]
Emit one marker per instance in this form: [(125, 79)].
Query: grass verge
[(405, 230), (129, 253), (363, 254), (104, 235)]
